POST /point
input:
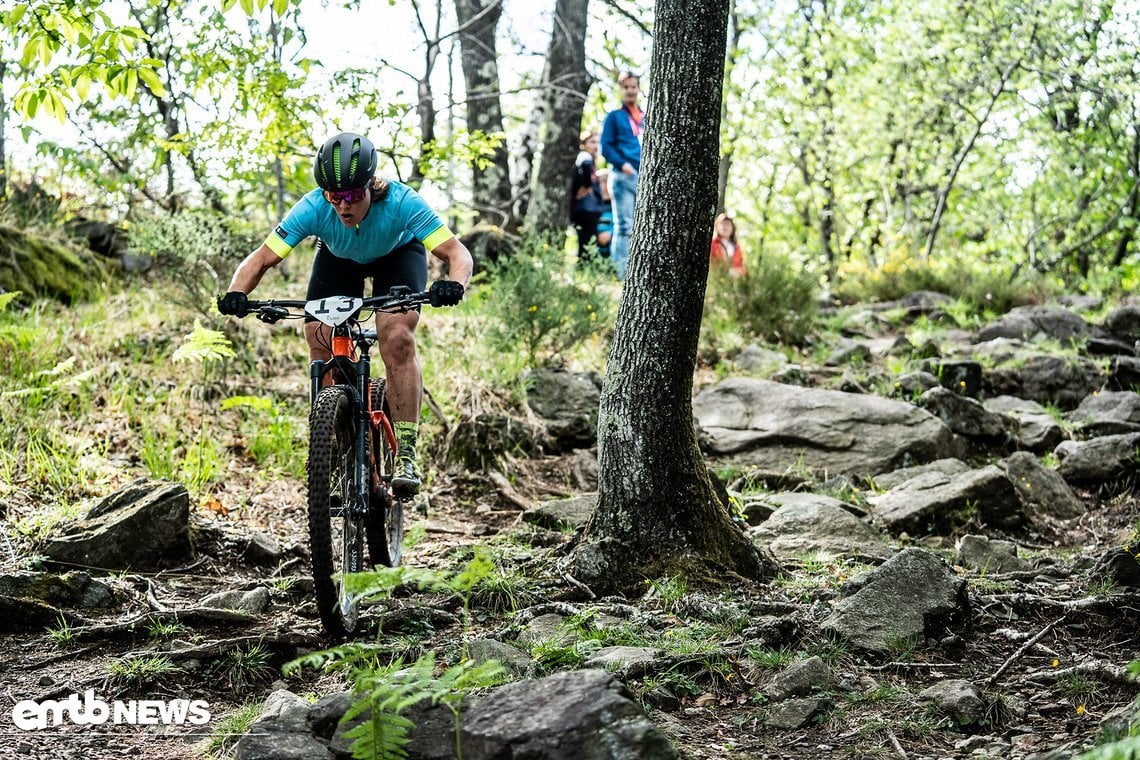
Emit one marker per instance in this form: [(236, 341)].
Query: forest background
[(988, 151), (864, 139)]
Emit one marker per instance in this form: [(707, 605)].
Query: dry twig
[(507, 491), (895, 742), (1105, 671), (1023, 649)]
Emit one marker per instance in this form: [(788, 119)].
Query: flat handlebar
[(398, 299)]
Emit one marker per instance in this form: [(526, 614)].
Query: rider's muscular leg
[(319, 338), (398, 350)]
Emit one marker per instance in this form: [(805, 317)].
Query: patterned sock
[(406, 435)]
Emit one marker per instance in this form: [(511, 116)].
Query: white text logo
[(89, 710)]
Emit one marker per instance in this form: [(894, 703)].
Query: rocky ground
[(959, 543)]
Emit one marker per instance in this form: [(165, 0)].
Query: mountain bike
[(352, 448)]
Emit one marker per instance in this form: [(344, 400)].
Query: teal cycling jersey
[(390, 223)]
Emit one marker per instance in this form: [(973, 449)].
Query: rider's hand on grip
[(235, 303), (445, 293)]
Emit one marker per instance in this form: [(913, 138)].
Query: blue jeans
[(623, 192)]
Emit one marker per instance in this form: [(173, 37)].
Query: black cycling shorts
[(334, 276)]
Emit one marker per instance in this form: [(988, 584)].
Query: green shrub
[(198, 250), (540, 305), (776, 300), (983, 284)]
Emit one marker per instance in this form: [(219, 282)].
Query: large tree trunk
[(658, 513), (563, 99), (491, 187)]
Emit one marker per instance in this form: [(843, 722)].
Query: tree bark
[(564, 97), (658, 513), (425, 100), (725, 164), (491, 185)]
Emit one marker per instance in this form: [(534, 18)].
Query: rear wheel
[(336, 537), (385, 522)]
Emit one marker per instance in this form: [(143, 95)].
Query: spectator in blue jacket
[(621, 147)]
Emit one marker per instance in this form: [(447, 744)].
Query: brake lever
[(272, 314)]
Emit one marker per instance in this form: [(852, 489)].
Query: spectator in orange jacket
[(726, 251)]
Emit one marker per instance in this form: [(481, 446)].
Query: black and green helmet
[(344, 162)]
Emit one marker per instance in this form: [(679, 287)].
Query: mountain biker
[(365, 226)]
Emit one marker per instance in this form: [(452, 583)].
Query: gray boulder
[(582, 714), (72, 589), (913, 595), (282, 732), (805, 523), (1106, 458), (1042, 491), (753, 357), (1119, 567), (567, 402), (623, 659), (990, 556), (1124, 372), (1124, 321), (895, 478), (794, 713), (966, 416), (263, 549), (516, 661), (770, 425), (800, 679), (1047, 379), (1026, 322), (1036, 429), (254, 602), (1107, 413), (142, 525), (959, 700), (935, 502), (563, 514)]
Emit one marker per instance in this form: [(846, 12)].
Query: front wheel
[(336, 530), (385, 524)]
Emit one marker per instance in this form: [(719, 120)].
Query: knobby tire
[(336, 543), (385, 523)]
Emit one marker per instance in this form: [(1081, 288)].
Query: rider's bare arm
[(458, 258), (254, 266)]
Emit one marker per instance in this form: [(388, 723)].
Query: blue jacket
[(619, 145)]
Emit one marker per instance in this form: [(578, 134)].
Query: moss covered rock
[(42, 268)]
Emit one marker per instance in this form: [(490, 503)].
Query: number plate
[(335, 310)]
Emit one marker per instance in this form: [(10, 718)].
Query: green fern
[(1125, 749), (385, 691), (7, 298), (203, 345)]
